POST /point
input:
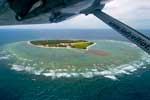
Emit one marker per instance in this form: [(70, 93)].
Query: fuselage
[(52, 11)]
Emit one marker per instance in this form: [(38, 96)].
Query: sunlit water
[(124, 74)]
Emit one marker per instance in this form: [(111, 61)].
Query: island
[(78, 44)]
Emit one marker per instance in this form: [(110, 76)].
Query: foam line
[(49, 70)]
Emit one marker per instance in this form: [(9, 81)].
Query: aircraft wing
[(134, 36)]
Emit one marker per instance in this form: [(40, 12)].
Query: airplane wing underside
[(12, 13), (7, 17), (128, 32)]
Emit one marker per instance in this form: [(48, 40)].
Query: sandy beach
[(40, 46)]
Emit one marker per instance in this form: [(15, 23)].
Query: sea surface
[(128, 82)]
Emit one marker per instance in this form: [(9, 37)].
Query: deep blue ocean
[(22, 86)]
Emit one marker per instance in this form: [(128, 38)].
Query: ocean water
[(127, 82)]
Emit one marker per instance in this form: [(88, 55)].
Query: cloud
[(133, 12), (129, 9)]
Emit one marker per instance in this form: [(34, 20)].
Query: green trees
[(79, 44)]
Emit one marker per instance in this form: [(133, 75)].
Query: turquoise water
[(107, 58), (129, 80)]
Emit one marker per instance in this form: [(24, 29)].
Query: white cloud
[(129, 9), (133, 12), (79, 22)]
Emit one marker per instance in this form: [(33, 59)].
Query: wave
[(6, 57), (58, 74), (123, 42), (111, 73)]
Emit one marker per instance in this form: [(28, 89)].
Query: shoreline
[(40, 46), (90, 46)]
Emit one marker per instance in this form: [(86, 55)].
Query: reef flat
[(106, 58)]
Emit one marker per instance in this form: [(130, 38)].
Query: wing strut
[(134, 36)]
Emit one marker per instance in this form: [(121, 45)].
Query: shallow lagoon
[(107, 58)]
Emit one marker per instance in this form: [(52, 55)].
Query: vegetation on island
[(78, 44)]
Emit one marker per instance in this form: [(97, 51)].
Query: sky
[(135, 13)]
